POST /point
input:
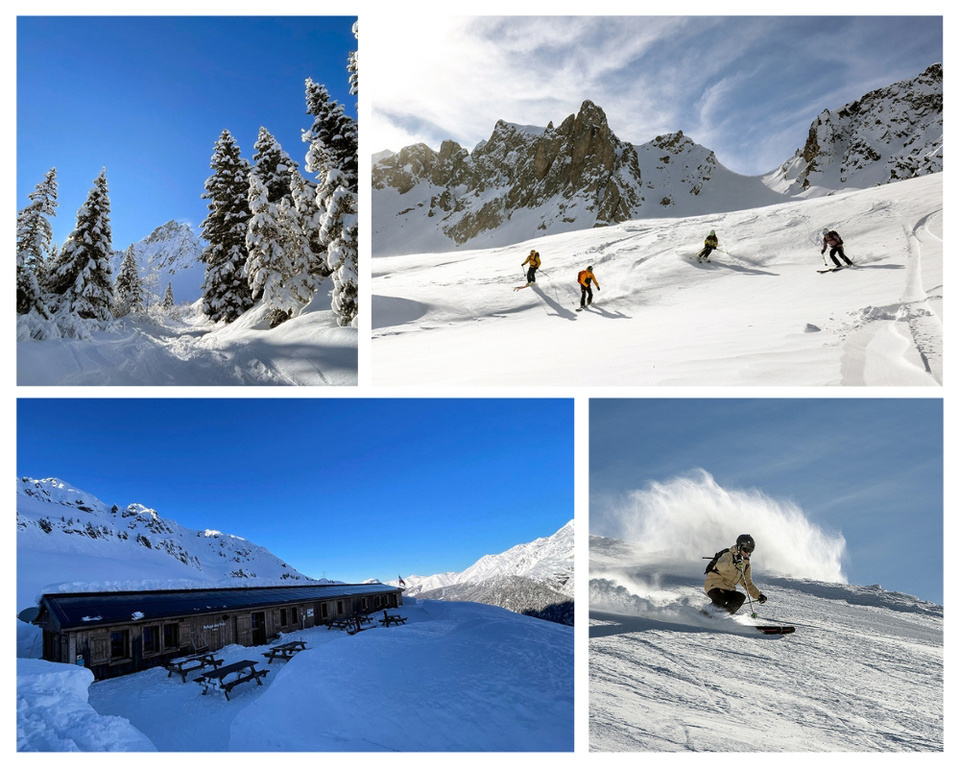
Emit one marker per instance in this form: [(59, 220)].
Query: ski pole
[(743, 578)]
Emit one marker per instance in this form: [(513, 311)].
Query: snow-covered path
[(759, 314), (308, 350), (863, 672)]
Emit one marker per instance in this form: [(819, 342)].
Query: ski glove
[(762, 599)]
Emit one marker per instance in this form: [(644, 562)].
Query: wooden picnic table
[(244, 671), (392, 618), (285, 651), (187, 664)]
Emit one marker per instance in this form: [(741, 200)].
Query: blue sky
[(746, 87), (869, 468), (147, 98), (347, 488)]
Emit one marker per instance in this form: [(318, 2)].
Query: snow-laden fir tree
[(226, 293), (269, 268), (272, 165), (81, 279), (352, 64), (332, 156), (128, 289), (35, 244), (300, 225), (168, 301)]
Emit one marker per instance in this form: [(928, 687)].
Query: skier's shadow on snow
[(558, 308)]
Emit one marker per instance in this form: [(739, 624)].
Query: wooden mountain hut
[(116, 633)]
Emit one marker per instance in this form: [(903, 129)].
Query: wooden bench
[(245, 671), (389, 619), (190, 663), (285, 651)]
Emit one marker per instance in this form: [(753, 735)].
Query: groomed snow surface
[(455, 677), (758, 314), (862, 672), (310, 349)]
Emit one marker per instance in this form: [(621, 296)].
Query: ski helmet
[(746, 543), (590, 269)]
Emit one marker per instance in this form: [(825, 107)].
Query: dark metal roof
[(88, 609)]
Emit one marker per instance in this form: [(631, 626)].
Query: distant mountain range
[(524, 182), (170, 255), (536, 579), (68, 536)]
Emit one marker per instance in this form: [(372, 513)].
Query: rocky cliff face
[(578, 174), (890, 134), (524, 182)]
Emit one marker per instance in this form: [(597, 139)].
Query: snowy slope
[(863, 672), (456, 677), (67, 537), (548, 559), (187, 349), (758, 315)]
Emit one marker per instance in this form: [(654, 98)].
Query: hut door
[(258, 627)]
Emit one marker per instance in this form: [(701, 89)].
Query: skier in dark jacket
[(709, 245), (834, 242), (732, 568)]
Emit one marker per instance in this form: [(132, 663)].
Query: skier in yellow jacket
[(534, 261), (709, 245), (732, 568)]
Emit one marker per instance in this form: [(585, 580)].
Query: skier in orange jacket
[(585, 278)]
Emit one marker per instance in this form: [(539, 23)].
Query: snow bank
[(53, 714), (689, 517)]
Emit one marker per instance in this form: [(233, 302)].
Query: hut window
[(294, 616), (119, 645), (171, 636), (339, 607), (283, 617), (323, 610), (151, 640)]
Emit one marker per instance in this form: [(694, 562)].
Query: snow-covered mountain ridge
[(67, 537), (890, 134), (524, 182), (536, 578), (168, 255), (548, 559)]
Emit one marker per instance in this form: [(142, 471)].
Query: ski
[(775, 629), (831, 269), (521, 287)]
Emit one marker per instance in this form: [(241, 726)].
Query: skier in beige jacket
[(730, 568)]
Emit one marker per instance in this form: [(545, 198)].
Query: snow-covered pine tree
[(352, 64), (332, 155), (128, 290), (168, 301), (300, 223), (272, 236), (273, 166), (226, 293), (35, 244), (81, 279)]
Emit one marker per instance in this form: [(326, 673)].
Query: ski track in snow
[(757, 314), (863, 672)]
